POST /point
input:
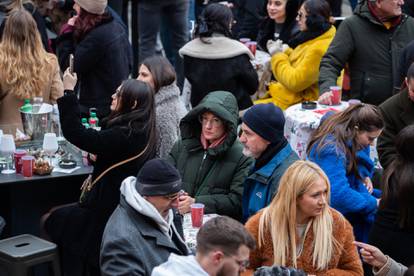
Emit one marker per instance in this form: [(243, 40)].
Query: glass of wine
[(50, 145), (7, 148)]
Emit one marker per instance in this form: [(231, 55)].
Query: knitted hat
[(266, 120), (93, 6), (157, 177)]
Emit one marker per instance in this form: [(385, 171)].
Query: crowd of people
[(189, 130)]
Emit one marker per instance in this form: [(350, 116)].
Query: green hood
[(224, 105)]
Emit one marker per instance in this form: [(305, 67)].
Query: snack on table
[(42, 167)]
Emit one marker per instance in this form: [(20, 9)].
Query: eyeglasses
[(174, 196), (215, 122)]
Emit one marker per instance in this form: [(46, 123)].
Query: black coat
[(235, 74), (102, 60), (79, 228), (398, 112)]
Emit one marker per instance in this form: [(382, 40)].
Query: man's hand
[(325, 98), (184, 203), (371, 255), (69, 80)]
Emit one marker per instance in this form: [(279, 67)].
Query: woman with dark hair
[(393, 229), (280, 22), (296, 66), (102, 54), (158, 72), (340, 146), (127, 140), (214, 61)]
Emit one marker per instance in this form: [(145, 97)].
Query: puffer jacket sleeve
[(299, 77), (334, 60), (229, 203), (343, 198), (349, 262)]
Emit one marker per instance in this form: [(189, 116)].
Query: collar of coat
[(166, 94), (215, 47), (363, 10)]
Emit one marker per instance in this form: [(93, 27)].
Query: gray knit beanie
[(93, 6)]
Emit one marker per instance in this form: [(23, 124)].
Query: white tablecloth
[(190, 233), (300, 123)]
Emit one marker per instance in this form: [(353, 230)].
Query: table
[(190, 233), (24, 200), (300, 123)]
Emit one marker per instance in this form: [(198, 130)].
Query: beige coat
[(9, 106)]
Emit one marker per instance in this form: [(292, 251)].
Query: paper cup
[(27, 165), (197, 213)]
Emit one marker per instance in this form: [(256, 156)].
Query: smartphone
[(71, 63)]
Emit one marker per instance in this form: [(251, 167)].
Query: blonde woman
[(299, 229), (26, 69)]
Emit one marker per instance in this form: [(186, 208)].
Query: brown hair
[(223, 233), (162, 71), (344, 126)]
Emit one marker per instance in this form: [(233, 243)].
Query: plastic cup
[(18, 154), (336, 95), (244, 40), (27, 165), (197, 213), (252, 45)]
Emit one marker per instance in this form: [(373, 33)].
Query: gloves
[(274, 47)]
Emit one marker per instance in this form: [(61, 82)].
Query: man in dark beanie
[(263, 140), (143, 229)]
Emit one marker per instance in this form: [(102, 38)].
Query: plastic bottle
[(93, 116), (92, 123), (85, 123), (27, 106)]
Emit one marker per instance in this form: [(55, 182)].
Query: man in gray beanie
[(143, 229), (263, 140)]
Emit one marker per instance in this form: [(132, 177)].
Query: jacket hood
[(179, 265), (221, 103)]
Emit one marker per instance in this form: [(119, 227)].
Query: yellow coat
[(297, 72)]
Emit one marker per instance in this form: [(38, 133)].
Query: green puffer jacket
[(372, 52), (213, 177)]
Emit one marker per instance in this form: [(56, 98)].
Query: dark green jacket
[(398, 112), (215, 176), (372, 52)]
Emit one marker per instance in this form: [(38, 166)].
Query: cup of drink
[(252, 45), (244, 40), (27, 165), (336, 95), (197, 213), (18, 154)]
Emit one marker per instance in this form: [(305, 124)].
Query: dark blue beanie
[(157, 177), (266, 120)]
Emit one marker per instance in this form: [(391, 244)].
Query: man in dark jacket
[(263, 140), (398, 112), (143, 230), (209, 157), (370, 41)]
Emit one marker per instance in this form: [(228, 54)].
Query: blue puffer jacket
[(261, 185), (348, 193)]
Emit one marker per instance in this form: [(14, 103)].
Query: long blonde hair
[(25, 66), (280, 217)]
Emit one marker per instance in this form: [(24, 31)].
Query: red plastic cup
[(197, 213), (252, 45), (18, 154), (244, 40), (336, 95), (28, 164)]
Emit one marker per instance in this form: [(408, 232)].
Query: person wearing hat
[(144, 229), (263, 139), (102, 54), (209, 157)]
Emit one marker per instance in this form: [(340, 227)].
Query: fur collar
[(217, 47)]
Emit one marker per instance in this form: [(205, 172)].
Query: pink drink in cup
[(252, 45), (18, 154), (197, 213), (336, 95), (27, 165)]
